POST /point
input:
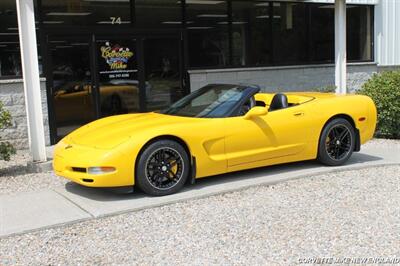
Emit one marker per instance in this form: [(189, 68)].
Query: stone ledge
[(241, 69), (39, 167)]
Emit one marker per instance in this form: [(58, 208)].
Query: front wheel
[(336, 143), (162, 168)]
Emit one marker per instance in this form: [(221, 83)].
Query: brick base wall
[(288, 78), (13, 98)]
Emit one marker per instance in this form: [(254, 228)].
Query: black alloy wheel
[(163, 168), (336, 142)]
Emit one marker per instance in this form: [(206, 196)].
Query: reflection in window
[(162, 72), (118, 76), (322, 33), (289, 34), (359, 33), (207, 24), (158, 14), (251, 33), (10, 62), (86, 12)]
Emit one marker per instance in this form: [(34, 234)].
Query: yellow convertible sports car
[(214, 130)]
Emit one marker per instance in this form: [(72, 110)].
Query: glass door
[(117, 76), (70, 83), (163, 72)]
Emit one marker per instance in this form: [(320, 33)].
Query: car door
[(279, 133)]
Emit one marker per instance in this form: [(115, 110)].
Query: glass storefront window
[(251, 33), (118, 76), (158, 14), (71, 85), (162, 72), (208, 36), (322, 33), (289, 33), (359, 33), (86, 12), (10, 58)]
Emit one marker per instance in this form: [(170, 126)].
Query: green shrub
[(6, 149), (384, 89)]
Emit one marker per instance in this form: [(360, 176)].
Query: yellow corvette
[(214, 130)]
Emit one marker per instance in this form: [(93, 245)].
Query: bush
[(6, 149), (384, 89)]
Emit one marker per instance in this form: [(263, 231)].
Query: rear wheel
[(163, 168), (336, 143)]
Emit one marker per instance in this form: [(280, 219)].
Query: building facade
[(104, 57)]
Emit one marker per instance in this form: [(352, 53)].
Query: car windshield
[(211, 101)]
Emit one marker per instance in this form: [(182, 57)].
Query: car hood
[(109, 132)]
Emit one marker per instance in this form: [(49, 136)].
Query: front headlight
[(101, 170)]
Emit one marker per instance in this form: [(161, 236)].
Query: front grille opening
[(79, 169), (86, 180)]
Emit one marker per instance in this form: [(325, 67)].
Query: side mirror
[(256, 111)]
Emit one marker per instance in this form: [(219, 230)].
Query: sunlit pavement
[(26, 212)]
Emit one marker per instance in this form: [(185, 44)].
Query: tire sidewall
[(323, 156), (141, 179)]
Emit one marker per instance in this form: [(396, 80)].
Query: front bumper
[(72, 161)]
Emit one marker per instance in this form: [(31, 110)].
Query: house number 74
[(116, 20)]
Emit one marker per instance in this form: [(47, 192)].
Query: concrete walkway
[(26, 212)]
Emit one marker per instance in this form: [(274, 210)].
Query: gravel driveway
[(14, 179), (348, 214)]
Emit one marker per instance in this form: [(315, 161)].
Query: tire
[(163, 168), (336, 143)]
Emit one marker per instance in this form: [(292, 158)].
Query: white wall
[(387, 33)]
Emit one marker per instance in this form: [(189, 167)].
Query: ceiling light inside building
[(200, 28), (68, 13), (233, 22), (267, 16), (212, 16), (200, 2), (108, 1), (53, 22), (110, 22)]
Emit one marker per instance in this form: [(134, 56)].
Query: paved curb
[(40, 167)]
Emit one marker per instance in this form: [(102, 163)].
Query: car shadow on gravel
[(127, 193)]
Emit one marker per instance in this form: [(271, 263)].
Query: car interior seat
[(279, 101)]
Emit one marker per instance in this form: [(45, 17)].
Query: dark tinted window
[(359, 33), (9, 45), (322, 33), (158, 14), (86, 12), (273, 33), (290, 33), (207, 24), (251, 35)]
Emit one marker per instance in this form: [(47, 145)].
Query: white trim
[(30, 69), (340, 47)]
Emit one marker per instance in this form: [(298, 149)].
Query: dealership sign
[(117, 57)]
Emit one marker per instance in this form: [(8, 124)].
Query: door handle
[(298, 113)]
